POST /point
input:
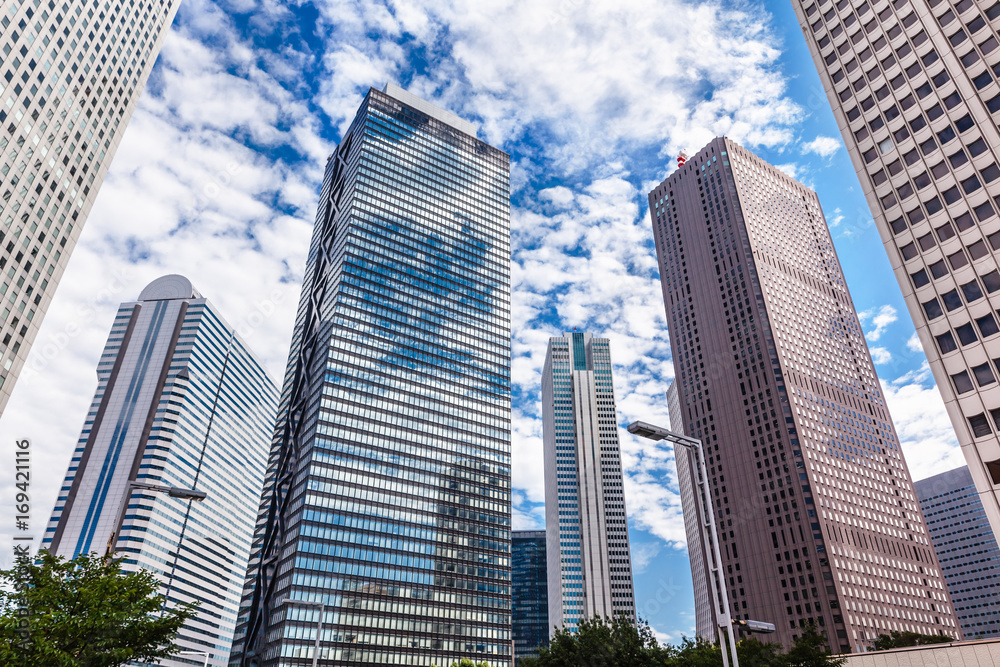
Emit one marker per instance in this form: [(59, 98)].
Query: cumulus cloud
[(822, 146), (218, 173), (881, 318), (925, 431), (880, 355), (913, 344)]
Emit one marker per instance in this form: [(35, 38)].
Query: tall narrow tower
[(181, 402), (589, 563), (529, 593), (70, 78), (818, 521), (913, 84), (385, 517)]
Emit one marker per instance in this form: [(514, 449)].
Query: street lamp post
[(204, 653), (173, 491), (720, 595), (319, 624)]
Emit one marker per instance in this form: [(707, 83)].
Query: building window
[(980, 425), (962, 382)]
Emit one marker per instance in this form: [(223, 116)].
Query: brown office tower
[(818, 520), (913, 87)]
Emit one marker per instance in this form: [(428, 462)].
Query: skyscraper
[(386, 508), (914, 91), (180, 402), (966, 549), (72, 74), (529, 593), (589, 563), (706, 625), (817, 516)]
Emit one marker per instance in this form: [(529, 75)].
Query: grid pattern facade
[(387, 498), (589, 562), (966, 548), (818, 522), (181, 402), (529, 593), (70, 78), (686, 463), (913, 84)]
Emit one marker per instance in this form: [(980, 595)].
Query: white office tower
[(913, 85), (180, 402), (70, 77), (589, 564)]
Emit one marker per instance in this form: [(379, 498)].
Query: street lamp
[(172, 491), (720, 595), (319, 624), (204, 653)]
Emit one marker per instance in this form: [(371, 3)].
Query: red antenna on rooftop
[(681, 159)]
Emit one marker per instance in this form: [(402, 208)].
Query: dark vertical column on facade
[(529, 593)]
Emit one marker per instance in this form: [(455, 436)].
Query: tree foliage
[(896, 639), (83, 612), (621, 643), (810, 650)]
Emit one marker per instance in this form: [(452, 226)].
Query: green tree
[(896, 639), (754, 653), (603, 642), (83, 612), (810, 650), (695, 653)]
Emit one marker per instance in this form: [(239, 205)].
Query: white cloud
[(791, 169), (913, 344), (835, 218), (822, 146), (881, 318), (880, 355), (218, 173), (643, 554), (925, 431)]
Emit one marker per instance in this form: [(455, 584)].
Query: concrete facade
[(817, 516), (913, 85), (985, 653), (73, 73), (697, 547)]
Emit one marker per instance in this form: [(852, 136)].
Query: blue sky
[(217, 176)]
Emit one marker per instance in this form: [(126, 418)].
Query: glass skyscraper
[(966, 549), (529, 599), (70, 78), (385, 516), (589, 563), (180, 402)]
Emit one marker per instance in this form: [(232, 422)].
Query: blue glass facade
[(387, 500), (529, 593), (966, 548), (180, 402)]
